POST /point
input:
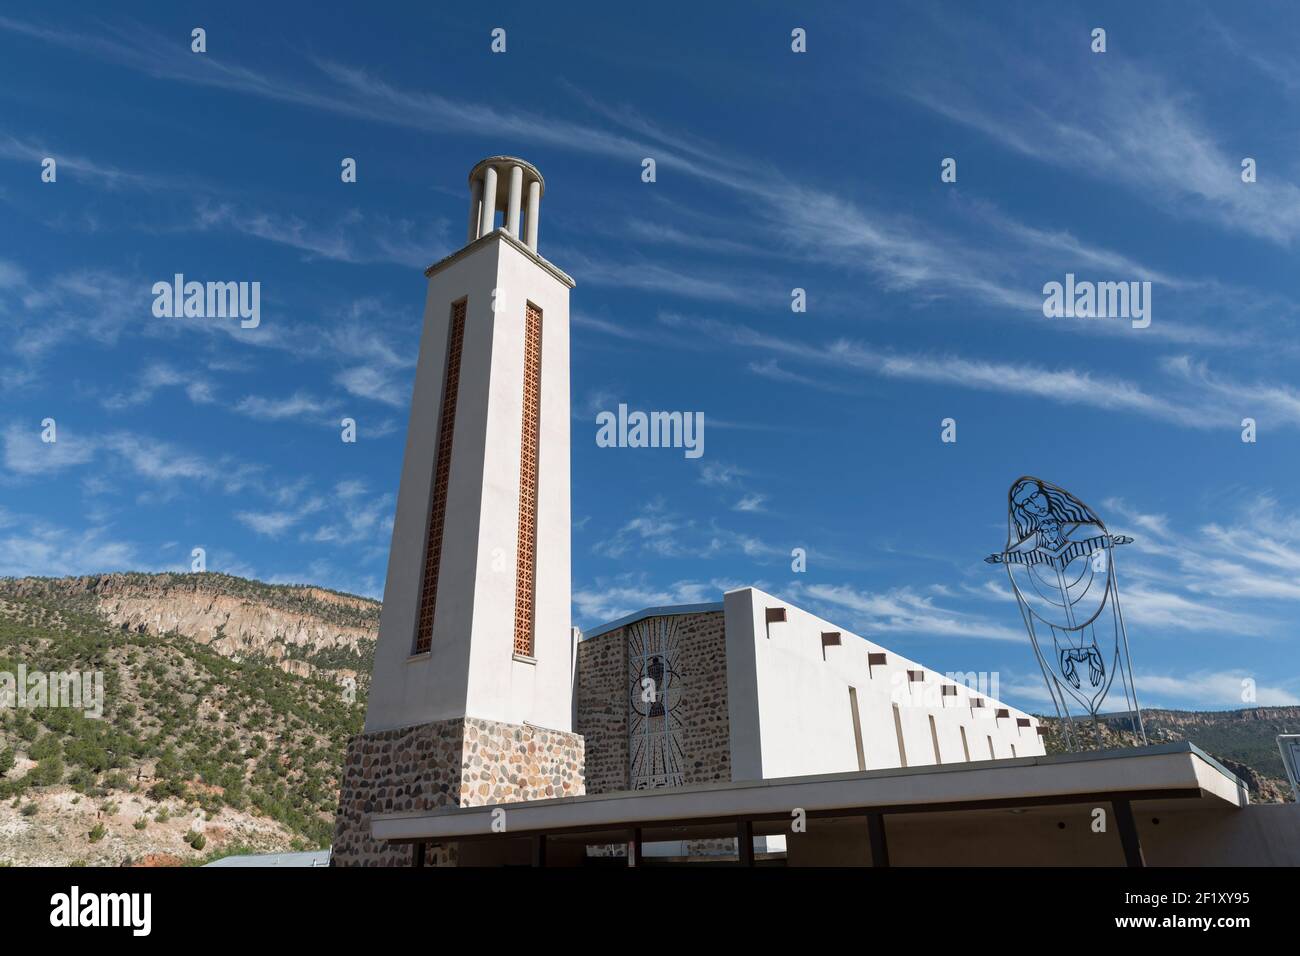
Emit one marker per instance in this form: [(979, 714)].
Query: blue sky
[(775, 170)]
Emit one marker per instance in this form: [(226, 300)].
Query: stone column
[(475, 197), (516, 193), (534, 204), (488, 220)]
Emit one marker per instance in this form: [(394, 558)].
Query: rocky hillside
[(1244, 741), (303, 630), (225, 711)]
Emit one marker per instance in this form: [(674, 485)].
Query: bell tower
[(471, 698)]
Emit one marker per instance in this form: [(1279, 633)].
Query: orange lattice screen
[(526, 560), (441, 475)]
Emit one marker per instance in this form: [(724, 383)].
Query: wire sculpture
[(1061, 564)]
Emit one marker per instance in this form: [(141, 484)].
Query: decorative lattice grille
[(526, 547), (441, 476)]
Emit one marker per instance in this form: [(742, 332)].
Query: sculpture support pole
[(1128, 657)]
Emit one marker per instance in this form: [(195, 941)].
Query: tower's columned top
[(498, 182)]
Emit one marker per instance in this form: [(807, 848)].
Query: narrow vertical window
[(965, 747), (898, 732), (526, 545), (992, 755), (857, 728), (1013, 750), (934, 739), (441, 477)]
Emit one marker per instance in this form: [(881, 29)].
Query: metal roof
[(310, 858)]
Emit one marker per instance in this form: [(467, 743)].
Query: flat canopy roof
[(1163, 772), (307, 858)]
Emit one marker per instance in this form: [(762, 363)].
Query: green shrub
[(47, 746), (171, 787), (97, 833), (46, 773)]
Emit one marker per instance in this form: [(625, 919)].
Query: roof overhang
[(1178, 771)]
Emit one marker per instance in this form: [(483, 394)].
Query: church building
[(497, 732)]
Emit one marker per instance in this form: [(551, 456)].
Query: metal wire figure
[(1061, 564)]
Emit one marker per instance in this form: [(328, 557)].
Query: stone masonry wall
[(462, 762), (706, 730), (601, 714), (603, 695)]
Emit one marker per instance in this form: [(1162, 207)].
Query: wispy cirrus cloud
[(1212, 402), (925, 260), (1233, 575), (356, 518), (1264, 401), (771, 369), (269, 523), (1064, 385), (28, 455), (347, 90), (1212, 690), (1205, 689), (354, 236), (377, 383), (659, 531), (112, 177), (1102, 117), (298, 406), (900, 611), (33, 546), (749, 290), (156, 377), (606, 599)]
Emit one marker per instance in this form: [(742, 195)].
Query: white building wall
[(789, 707), (471, 669), (507, 689)]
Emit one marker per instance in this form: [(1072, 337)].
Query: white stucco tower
[(476, 616), (472, 697)]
